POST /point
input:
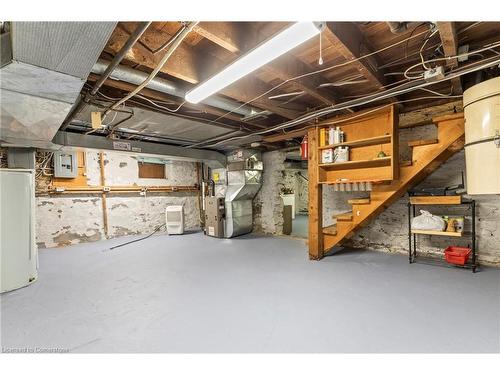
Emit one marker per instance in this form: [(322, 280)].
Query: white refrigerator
[(18, 251)]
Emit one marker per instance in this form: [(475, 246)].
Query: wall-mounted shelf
[(378, 162), (361, 142), (366, 138)]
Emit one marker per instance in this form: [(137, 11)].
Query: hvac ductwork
[(244, 179), (50, 63), (401, 27), (135, 77)]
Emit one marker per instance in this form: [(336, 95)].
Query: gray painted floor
[(251, 294), (300, 226)]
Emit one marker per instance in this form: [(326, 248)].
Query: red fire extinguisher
[(304, 150)]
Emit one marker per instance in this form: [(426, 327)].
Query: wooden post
[(103, 197), (315, 198)]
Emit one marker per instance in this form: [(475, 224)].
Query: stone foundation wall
[(70, 219)]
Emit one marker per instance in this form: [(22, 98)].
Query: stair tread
[(346, 216), (359, 201), (405, 163), (422, 142), (331, 230)]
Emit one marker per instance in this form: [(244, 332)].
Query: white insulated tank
[(482, 137)]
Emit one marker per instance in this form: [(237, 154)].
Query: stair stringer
[(426, 159)]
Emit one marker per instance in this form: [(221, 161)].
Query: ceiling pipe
[(176, 42), (134, 37), (136, 77)]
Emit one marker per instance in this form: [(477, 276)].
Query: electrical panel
[(65, 164)]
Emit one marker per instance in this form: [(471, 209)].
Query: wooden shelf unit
[(366, 137)]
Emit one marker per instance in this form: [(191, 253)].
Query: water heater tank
[(482, 137)]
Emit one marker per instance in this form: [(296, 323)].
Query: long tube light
[(281, 43)]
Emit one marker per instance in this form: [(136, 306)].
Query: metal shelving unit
[(412, 235)]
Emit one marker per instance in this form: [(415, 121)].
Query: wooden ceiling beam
[(224, 34), (193, 66), (229, 36), (448, 35), (348, 40)]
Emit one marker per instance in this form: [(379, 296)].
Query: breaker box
[(65, 164), (214, 216)]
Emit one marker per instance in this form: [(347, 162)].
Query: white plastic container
[(341, 154), (327, 156), (174, 216)]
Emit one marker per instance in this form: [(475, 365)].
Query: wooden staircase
[(427, 156)]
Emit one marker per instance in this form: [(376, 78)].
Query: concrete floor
[(193, 293), (300, 226)]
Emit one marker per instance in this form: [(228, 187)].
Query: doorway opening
[(295, 195)]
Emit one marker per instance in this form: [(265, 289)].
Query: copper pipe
[(103, 195), (121, 189)]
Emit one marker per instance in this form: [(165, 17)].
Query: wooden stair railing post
[(315, 198)]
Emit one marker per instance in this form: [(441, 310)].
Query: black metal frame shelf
[(412, 237)]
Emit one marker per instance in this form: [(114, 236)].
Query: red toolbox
[(457, 255)]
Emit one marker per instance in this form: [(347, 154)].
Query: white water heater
[(482, 137), (174, 216)]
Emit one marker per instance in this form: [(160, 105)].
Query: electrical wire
[(321, 71), (422, 48), (369, 99), (175, 43), (136, 240), (484, 48), (161, 106), (364, 113)]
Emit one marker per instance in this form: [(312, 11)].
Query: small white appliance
[(174, 216)]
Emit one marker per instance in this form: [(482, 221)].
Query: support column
[(315, 198)]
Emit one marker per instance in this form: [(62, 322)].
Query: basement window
[(151, 170)]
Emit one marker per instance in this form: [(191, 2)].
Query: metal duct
[(66, 47), (51, 61), (135, 77), (401, 27), (244, 179)]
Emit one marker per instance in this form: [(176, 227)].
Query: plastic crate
[(457, 255)]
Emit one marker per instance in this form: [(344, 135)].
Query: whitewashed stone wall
[(267, 204), (300, 187), (65, 220)]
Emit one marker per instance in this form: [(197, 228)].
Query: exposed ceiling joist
[(193, 66), (228, 37), (224, 34), (448, 34), (348, 40)]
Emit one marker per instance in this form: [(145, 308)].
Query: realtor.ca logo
[(34, 350)]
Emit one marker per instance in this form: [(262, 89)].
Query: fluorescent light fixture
[(281, 43)]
